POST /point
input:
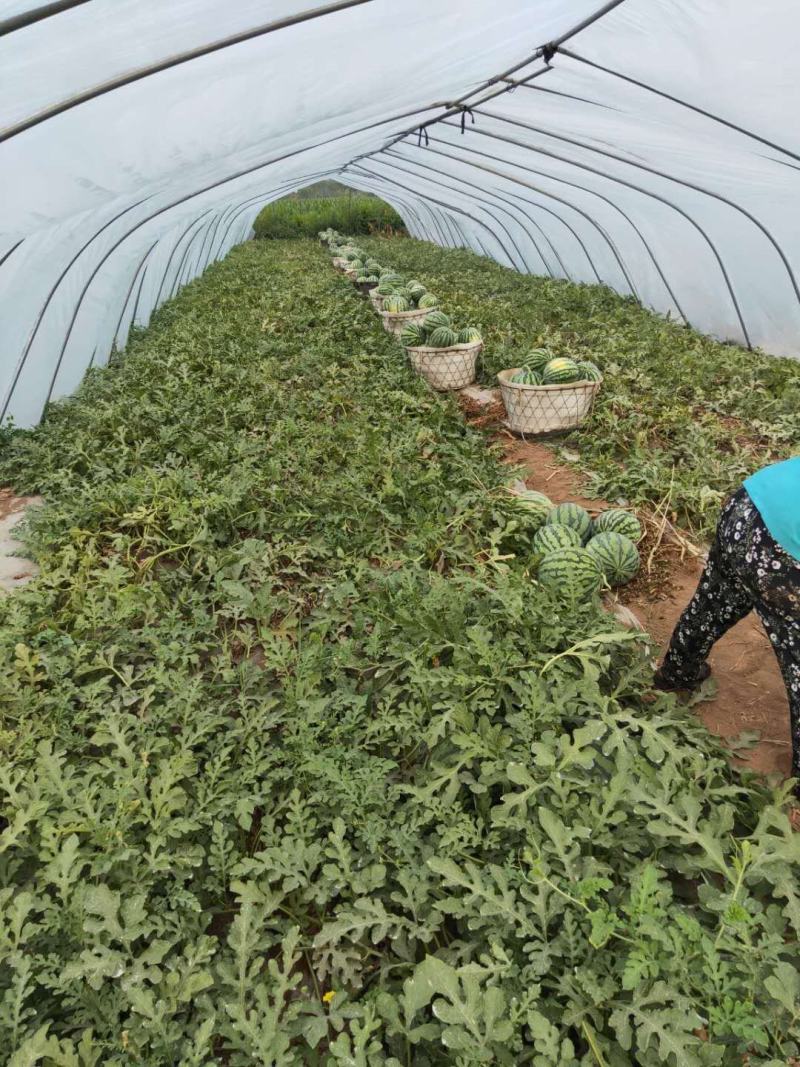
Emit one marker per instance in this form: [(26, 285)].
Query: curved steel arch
[(37, 14), (168, 207), (668, 177), (593, 222), (645, 192), (172, 61), (449, 207), (11, 251), (478, 199), (577, 238), (677, 100), (574, 185), (495, 197)]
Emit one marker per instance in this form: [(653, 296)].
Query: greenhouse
[(399, 533)]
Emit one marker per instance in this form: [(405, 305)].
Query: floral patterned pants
[(746, 571)]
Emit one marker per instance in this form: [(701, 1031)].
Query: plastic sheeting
[(655, 151)]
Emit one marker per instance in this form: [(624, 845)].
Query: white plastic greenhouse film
[(657, 154)]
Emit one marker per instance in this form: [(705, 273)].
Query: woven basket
[(377, 300), (340, 263), (396, 321), (446, 368), (535, 409)]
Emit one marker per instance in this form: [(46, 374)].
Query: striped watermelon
[(616, 556), (386, 287), (590, 372), (571, 572), (412, 335), (554, 536), (536, 505), (396, 303), (469, 336), (560, 370), (435, 319), (571, 515), (616, 520), (527, 376), (538, 358), (428, 301), (442, 337)]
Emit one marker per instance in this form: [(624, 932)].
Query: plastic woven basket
[(377, 300), (446, 368), (340, 262), (535, 409), (396, 321)]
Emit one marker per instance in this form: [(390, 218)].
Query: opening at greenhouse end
[(399, 533)]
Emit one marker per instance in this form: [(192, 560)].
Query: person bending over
[(753, 564)]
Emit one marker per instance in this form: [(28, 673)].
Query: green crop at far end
[(349, 213), (299, 765)]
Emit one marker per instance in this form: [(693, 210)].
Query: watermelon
[(527, 376), (571, 515), (412, 336), (469, 336), (571, 572), (436, 318), (372, 278), (616, 556), (538, 358), (361, 278), (554, 536), (395, 303), (590, 372), (560, 370), (536, 505), (618, 521), (442, 337), (428, 301), (415, 287), (386, 288), (374, 266)]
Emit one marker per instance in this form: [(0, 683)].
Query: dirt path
[(15, 568), (750, 694)]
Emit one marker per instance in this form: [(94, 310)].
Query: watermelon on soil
[(571, 573), (619, 521), (554, 536), (616, 556), (571, 515), (536, 505)]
